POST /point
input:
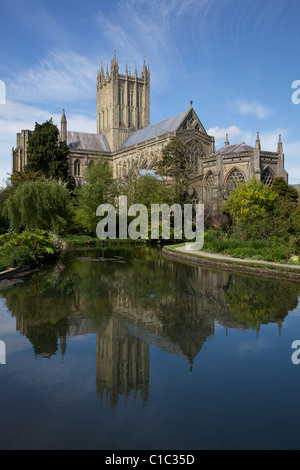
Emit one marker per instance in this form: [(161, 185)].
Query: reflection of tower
[(122, 363)]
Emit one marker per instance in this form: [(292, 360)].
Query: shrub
[(27, 248)]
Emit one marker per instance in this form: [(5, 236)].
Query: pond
[(125, 349)]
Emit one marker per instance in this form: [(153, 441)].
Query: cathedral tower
[(123, 103)]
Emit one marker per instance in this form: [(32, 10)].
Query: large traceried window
[(267, 177), (234, 178), (195, 154)]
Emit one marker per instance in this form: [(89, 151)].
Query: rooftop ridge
[(154, 130)]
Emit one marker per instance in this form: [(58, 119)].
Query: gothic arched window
[(194, 153), (208, 186), (77, 168), (267, 177), (234, 178)]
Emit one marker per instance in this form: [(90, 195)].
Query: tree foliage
[(146, 189), (98, 189), (175, 166), (283, 189), (260, 212), (39, 205), (249, 202), (46, 155)]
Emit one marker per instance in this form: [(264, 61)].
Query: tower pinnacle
[(257, 142), (63, 127), (279, 147)]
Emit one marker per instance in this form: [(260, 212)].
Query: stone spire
[(257, 142), (227, 141), (63, 127)]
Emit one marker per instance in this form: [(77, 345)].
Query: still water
[(124, 349)]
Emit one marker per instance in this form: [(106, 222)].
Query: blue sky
[(235, 59)]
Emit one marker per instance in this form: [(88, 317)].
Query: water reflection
[(131, 299)]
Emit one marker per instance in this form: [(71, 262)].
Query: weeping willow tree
[(39, 205)]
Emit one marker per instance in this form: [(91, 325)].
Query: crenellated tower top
[(123, 102)]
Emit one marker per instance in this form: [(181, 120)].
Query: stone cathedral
[(127, 141)]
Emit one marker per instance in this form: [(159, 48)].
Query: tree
[(15, 180), (175, 165), (146, 189), (39, 205), (250, 209), (46, 154), (98, 189), (282, 189), (250, 201)]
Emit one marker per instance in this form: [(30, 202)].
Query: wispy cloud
[(253, 108), (138, 28), (60, 76)]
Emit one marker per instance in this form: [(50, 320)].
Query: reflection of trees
[(41, 307), (253, 301), (130, 305)]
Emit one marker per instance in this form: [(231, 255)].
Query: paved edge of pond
[(226, 262), (10, 272)]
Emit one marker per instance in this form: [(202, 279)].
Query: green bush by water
[(27, 248)]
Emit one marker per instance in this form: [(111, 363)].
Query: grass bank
[(275, 249)]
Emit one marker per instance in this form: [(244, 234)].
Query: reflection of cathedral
[(128, 142), (166, 304)]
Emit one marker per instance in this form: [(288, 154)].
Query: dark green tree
[(283, 189), (176, 167), (46, 154)]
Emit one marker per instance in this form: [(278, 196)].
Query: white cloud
[(254, 109), (15, 117), (268, 139), (219, 134), (292, 154)]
